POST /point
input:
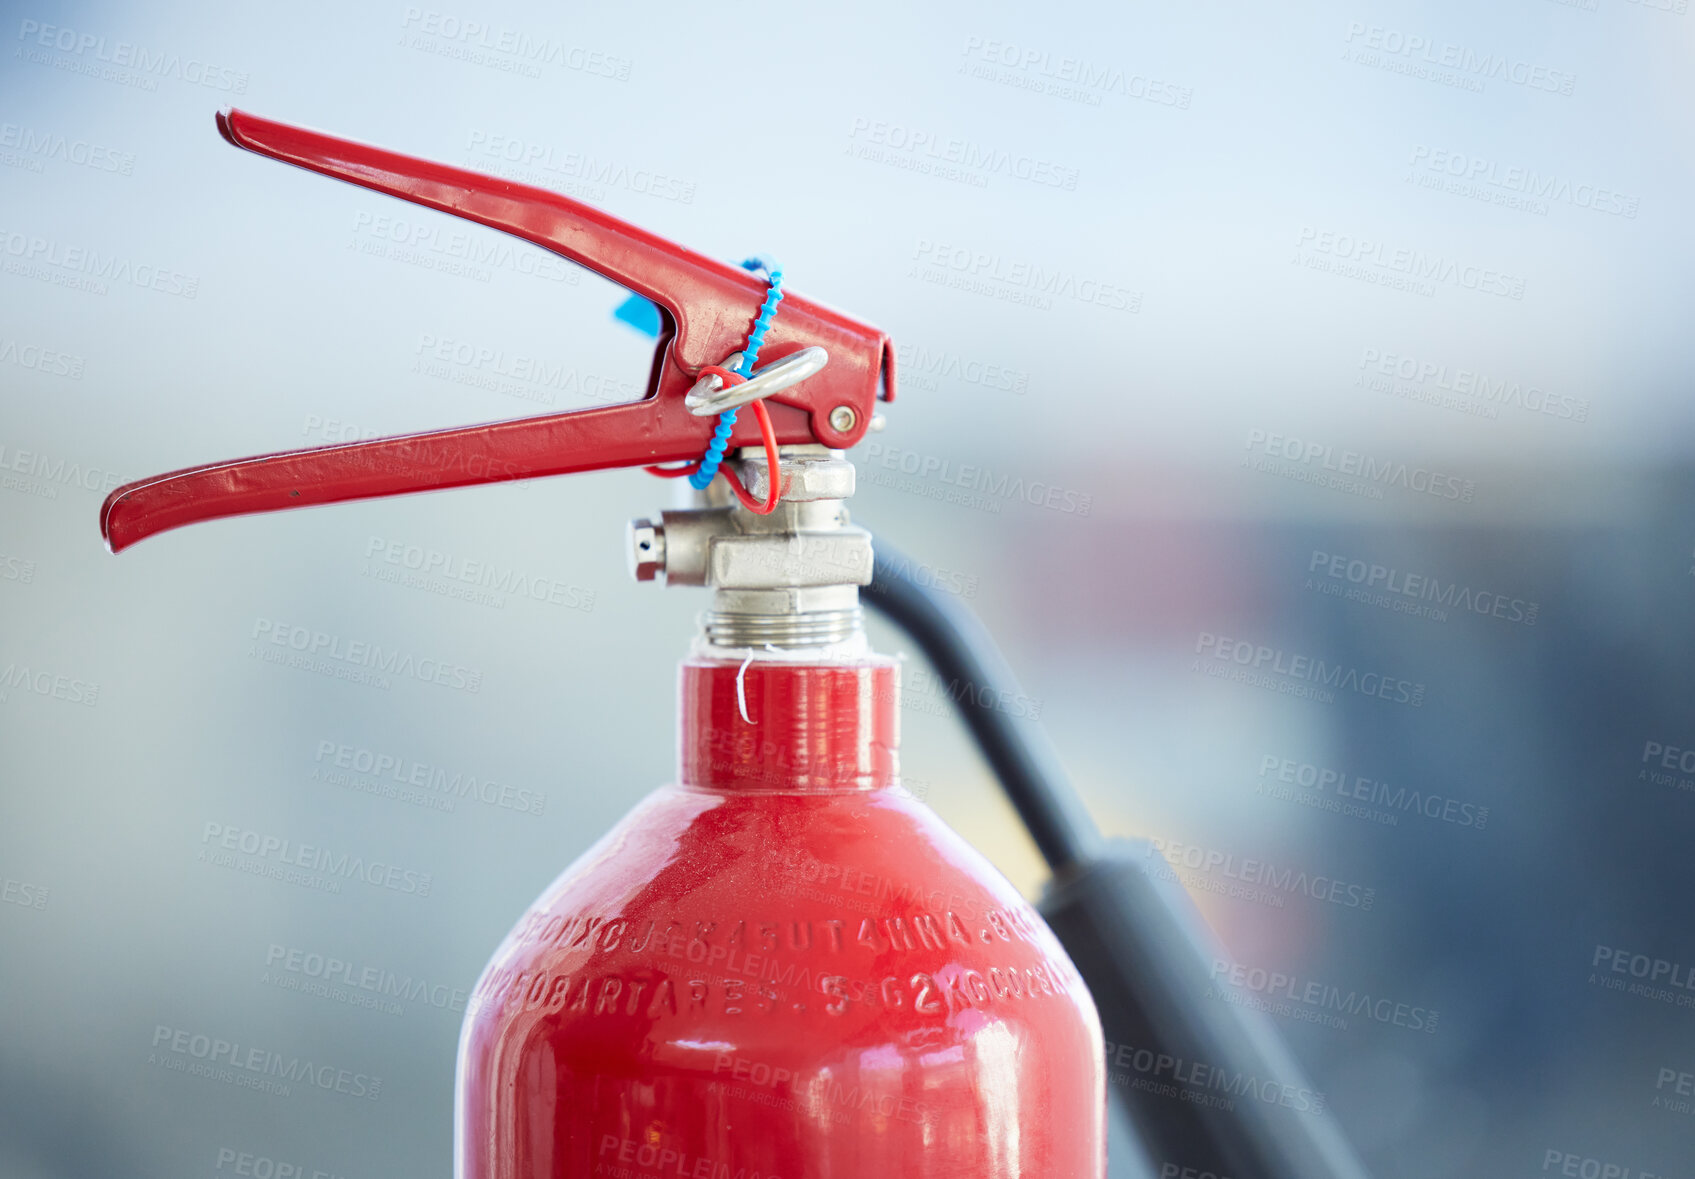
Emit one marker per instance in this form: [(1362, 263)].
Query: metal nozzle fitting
[(647, 549)]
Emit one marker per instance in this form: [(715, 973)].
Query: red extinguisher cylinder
[(784, 966)]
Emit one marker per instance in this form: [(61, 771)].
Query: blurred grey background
[(1233, 340)]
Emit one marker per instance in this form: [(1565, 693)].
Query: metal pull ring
[(710, 395)]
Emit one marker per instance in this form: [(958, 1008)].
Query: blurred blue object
[(640, 314)]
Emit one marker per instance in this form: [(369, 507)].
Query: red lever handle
[(711, 306)]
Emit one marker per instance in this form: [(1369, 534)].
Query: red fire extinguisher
[(783, 965)]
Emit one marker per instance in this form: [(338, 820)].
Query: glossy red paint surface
[(784, 966), (710, 304), (776, 726)]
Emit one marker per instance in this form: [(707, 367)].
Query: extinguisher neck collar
[(781, 723)]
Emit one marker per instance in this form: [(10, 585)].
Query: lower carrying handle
[(659, 430)]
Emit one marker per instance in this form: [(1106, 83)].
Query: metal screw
[(842, 418)]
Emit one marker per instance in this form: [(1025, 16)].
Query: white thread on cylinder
[(741, 690)]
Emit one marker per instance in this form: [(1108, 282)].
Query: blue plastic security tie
[(714, 456)]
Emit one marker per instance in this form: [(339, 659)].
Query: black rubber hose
[(1206, 1079), (977, 679)]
